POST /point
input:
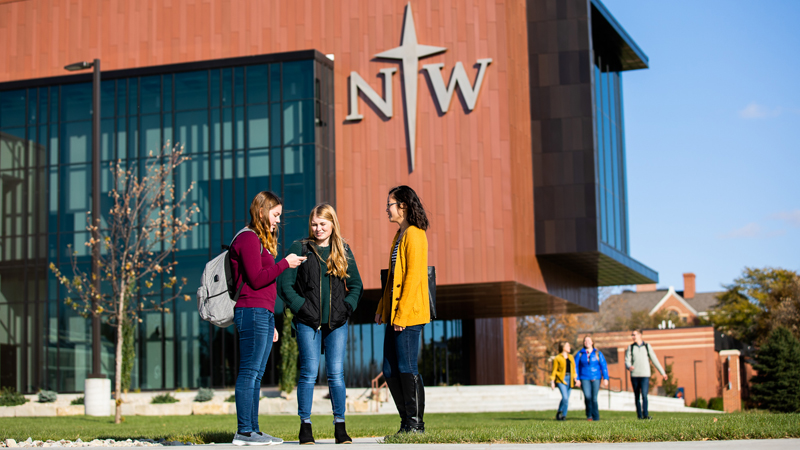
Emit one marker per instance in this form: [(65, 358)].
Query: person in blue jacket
[(591, 367)]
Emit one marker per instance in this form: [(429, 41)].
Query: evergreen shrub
[(47, 396), (164, 398), (10, 397), (204, 395), (76, 401), (716, 404), (776, 386), (699, 402)]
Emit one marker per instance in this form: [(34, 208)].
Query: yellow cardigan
[(560, 369), (408, 304)]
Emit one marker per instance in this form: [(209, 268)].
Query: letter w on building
[(444, 95)]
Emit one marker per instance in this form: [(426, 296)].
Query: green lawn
[(526, 427)]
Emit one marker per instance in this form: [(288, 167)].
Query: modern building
[(506, 117)]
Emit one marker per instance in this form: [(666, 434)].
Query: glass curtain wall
[(246, 129), (612, 193), (443, 357)]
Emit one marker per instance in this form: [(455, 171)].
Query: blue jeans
[(641, 385), (256, 327), (591, 388), (401, 351), (309, 343), (565, 391)]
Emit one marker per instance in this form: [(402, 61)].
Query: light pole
[(695, 379), (98, 403)]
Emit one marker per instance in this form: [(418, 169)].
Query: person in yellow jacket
[(404, 307), (564, 378)]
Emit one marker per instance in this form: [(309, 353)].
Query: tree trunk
[(118, 359)]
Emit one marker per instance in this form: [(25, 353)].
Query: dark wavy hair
[(415, 212)]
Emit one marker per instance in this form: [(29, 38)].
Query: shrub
[(76, 401), (289, 354), (699, 402), (716, 404), (164, 398), (777, 363), (10, 397), (231, 399), (204, 395), (47, 396)]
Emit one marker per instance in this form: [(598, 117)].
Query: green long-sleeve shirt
[(294, 301)]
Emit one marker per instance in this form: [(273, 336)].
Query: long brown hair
[(337, 261), (259, 220)]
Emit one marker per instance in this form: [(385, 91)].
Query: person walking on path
[(404, 307), (591, 368), (564, 377), (322, 294), (254, 311), (636, 361)]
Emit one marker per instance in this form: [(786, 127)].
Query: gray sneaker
[(271, 439), (254, 439)]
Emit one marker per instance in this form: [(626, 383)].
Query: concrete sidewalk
[(376, 444)]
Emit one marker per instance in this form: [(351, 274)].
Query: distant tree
[(146, 220), (777, 363), (670, 385), (757, 303), (538, 338)]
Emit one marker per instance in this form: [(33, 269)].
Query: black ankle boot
[(306, 434), (414, 395), (396, 389), (340, 433)]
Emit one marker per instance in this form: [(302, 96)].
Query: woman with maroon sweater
[(254, 312)]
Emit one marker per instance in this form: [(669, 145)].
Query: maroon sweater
[(258, 270)]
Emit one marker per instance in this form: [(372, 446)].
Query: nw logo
[(409, 53)]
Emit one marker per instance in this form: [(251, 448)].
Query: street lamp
[(96, 366), (695, 378)]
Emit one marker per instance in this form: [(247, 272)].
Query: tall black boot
[(396, 389), (414, 394)]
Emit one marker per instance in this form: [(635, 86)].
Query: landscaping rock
[(11, 443)]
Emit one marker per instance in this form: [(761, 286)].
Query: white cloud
[(751, 230), (791, 217), (756, 111)]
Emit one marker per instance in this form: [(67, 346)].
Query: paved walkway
[(374, 444)]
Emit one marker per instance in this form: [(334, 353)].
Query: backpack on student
[(218, 293)]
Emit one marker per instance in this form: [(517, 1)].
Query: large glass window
[(246, 129), (612, 202)]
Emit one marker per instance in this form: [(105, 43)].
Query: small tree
[(670, 385), (288, 355), (144, 225), (777, 384)]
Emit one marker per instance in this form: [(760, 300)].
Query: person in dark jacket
[(592, 368), (254, 311), (322, 294)]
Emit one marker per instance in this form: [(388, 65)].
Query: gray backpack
[(217, 294)]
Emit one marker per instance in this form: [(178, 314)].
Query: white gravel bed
[(95, 443)]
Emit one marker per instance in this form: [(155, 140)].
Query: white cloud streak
[(756, 111), (790, 217)]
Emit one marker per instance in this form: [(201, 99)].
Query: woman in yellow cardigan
[(404, 307), (563, 376)]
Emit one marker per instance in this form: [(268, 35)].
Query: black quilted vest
[(309, 285)]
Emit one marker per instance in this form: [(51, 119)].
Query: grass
[(519, 427)]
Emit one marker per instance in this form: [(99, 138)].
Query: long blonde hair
[(259, 220), (337, 261)]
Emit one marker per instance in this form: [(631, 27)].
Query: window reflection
[(245, 132)]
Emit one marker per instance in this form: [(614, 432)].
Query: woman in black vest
[(322, 293)]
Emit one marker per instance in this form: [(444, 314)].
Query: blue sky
[(713, 137)]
